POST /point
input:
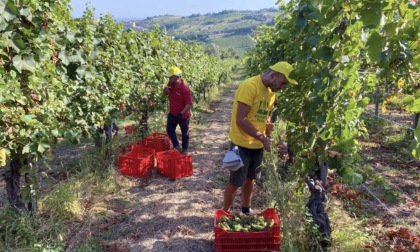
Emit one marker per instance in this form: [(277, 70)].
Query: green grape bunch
[(244, 223)]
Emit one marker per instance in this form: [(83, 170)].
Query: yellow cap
[(284, 68), (174, 71)]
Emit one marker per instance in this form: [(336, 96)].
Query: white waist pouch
[(232, 160)]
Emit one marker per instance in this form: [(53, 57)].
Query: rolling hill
[(227, 29)]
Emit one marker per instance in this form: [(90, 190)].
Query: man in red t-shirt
[(180, 103)]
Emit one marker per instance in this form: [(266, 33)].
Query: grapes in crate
[(244, 223)]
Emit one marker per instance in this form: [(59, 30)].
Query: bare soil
[(395, 225)]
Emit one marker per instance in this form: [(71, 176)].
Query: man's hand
[(167, 90), (266, 141), (267, 144)]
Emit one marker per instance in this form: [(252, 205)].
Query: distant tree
[(228, 54), (172, 26), (232, 53), (212, 49), (227, 11)]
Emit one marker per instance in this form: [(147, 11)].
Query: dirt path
[(167, 215)]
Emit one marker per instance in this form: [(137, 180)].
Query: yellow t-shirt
[(261, 100)]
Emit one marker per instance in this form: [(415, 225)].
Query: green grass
[(22, 232), (63, 203), (390, 136), (347, 232), (59, 208)]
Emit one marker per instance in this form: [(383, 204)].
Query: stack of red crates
[(173, 164), (157, 141), (137, 162), (268, 240)]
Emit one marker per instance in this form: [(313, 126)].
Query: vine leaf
[(352, 177), (2, 5), (372, 14), (416, 106), (301, 22), (374, 46), (24, 63), (416, 61), (313, 41), (42, 147), (27, 148), (326, 53), (16, 42), (29, 120), (391, 28), (64, 60), (27, 13), (9, 11)]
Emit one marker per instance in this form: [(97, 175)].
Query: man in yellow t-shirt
[(253, 102)]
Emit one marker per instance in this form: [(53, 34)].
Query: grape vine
[(61, 77), (341, 51), (330, 43)]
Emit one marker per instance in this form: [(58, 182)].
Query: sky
[(149, 8)]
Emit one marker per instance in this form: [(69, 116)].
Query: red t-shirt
[(179, 97)]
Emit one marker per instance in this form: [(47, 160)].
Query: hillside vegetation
[(229, 29)]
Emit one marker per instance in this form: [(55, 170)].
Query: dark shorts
[(252, 159)]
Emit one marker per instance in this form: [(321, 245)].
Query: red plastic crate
[(268, 240), (127, 148), (157, 141), (158, 135), (173, 164), (131, 129), (137, 162), (139, 143)]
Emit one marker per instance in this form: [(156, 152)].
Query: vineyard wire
[(402, 223), (399, 221), (371, 193), (398, 74), (388, 120)]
